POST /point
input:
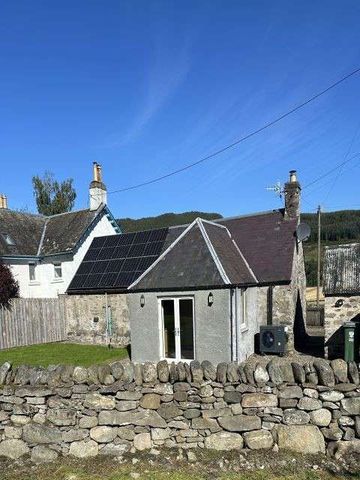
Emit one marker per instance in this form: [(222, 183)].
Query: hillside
[(336, 227), (164, 220)]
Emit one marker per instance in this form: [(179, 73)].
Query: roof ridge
[(212, 251), (238, 250), (222, 219), (164, 253), (42, 237), (245, 215), (72, 211), (29, 214)]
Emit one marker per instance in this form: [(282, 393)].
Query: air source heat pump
[(272, 339)]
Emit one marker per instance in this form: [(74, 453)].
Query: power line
[(329, 172), (341, 168), (242, 139)]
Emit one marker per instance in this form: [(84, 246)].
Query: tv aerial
[(278, 189)]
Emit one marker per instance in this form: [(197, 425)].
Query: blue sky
[(145, 87)]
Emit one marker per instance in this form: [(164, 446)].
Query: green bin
[(349, 337)]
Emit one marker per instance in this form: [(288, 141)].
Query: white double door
[(177, 328)]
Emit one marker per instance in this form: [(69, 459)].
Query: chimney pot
[(98, 195), (95, 172), (292, 191), (3, 201), (293, 177)]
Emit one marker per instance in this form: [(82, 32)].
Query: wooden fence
[(29, 321)]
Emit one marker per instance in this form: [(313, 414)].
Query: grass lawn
[(61, 353), (163, 467)]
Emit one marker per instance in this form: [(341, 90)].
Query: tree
[(9, 287), (51, 196)]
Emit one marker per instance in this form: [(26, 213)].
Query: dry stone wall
[(111, 409)]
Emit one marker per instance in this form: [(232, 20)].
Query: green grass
[(169, 466), (61, 353), (147, 472)]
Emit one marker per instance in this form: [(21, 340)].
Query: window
[(57, 271), (242, 309), (8, 239), (32, 272)]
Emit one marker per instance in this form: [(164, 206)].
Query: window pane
[(186, 328), (32, 276), (169, 328), (57, 270)]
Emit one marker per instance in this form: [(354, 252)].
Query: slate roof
[(342, 270), (267, 241), (203, 256), (24, 229), (37, 235), (62, 232), (248, 250)]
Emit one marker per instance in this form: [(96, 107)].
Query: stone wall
[(112, 409), (86, 319), (335, 316), (285, 297)]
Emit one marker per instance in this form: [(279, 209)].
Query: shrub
[(9, 287)]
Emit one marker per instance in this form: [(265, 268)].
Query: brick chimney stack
[(292, 192), (97, 190)]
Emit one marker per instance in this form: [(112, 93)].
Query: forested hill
[(336, 227), (165, 220)]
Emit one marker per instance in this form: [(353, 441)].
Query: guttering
[(20, 257), (175, 289)]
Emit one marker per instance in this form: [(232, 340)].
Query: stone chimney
[(292, 191), (97, 190), (3, 201)]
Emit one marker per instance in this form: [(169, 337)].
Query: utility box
[(272, 339), (349, 339)]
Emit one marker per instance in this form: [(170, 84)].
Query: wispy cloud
[(167, 72)]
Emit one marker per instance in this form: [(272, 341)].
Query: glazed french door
[(177, 328)]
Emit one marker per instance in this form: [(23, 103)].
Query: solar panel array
[(116, 261)]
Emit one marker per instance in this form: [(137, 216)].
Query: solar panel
[(111, 241), (130, 265), (98, 242), (153, 248), (85, 268), (114, 266), (137, 250), (115, 261), (126, 238), (99, 267), (92, 281), (92, 254), (121, 252)]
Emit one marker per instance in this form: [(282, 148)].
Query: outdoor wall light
[(210, 299), (142, 301), (339, 303)]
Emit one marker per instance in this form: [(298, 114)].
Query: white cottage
[(45, 252)]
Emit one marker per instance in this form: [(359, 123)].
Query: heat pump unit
[(272, 339)]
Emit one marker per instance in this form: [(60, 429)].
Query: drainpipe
[(234, 326), (270, 305)]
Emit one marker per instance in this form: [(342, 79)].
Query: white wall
[(46, 286)]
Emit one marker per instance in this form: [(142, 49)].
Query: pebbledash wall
[(112, 409)]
